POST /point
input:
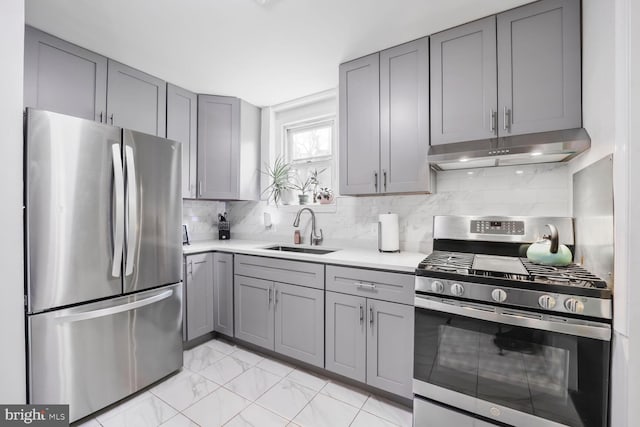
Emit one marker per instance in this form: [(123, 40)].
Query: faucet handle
[(317, 239)]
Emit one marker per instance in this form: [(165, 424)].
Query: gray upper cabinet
[(136, 100), (464, 83), (228, 148), (254, 318), (299, 323), (182, 119), (404, 117), (539, 67), (223, 293), (390, 346), (199, 290), (62, 77), (359, 111), (346, 345)]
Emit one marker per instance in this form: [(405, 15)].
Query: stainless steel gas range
[(501, 340)]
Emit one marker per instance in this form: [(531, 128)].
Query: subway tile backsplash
[(539, 190), (201, 217)]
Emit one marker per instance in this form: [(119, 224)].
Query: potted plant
[(325, 195), (280, 177), (315, 182), (303, 187)]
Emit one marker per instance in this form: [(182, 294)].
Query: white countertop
[(405, 262)]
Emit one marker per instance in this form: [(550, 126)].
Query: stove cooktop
[(571, 279)]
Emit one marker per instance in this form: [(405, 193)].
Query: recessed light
[(469, 173), (536, 153), (519, 172), (464, 159)]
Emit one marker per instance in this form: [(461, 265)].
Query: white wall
[(12, 359)]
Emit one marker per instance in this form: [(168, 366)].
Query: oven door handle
[(566, 326)]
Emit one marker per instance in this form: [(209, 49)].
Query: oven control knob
[(574, 306), (498, 295), (547, 302), (457, 289), (437, 287)]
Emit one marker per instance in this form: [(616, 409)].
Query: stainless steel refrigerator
[(104, 259)]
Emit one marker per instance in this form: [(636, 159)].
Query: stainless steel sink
[(303, 249)]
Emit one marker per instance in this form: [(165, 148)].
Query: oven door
[(519, 368)]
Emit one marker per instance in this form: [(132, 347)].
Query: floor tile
[(216, 409), (247, 356), (275, 367), (365, 419), (145, 410), (257, 416), (184, 389), (307, 379), (351, 395), (88, 423), (253, 383), (390, 411), (286, 398), (201, 357), (221, 346), (225, 369), (324, 411), (179, 421)]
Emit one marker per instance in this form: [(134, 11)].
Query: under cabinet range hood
[(543, 147)]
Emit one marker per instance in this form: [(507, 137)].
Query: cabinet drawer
[(394, 287), (281, 270)]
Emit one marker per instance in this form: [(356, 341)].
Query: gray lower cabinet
[(228, 148), (136, 100), (539, 67), (390, 346), (254, 318), (223, 293), (346, 339), (182, 119), (370, 341), (62, 77), (199, 295), (464, 83), (299, 323)]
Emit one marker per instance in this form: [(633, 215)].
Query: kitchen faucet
[(314, 239)]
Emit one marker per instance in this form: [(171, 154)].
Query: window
[(309, 149)]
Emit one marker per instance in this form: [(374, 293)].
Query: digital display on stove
[(509, 228)]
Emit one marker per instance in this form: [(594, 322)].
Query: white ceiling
[(264, 54)]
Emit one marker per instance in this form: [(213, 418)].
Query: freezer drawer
[(92, 355)]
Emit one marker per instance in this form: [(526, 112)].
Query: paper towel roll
[(388, 233)]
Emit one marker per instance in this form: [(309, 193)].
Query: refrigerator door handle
[(75, 317), (118, 216), (132, 210)]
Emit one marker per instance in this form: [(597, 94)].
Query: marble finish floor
[(225, 385)]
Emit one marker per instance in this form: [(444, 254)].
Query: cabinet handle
[(100, 116), (493, 118), (384, 175), (190, 268), (199, 188), (269, 302), (361, 314), (506, 116), (371, 316), (111, 118), (367, 286), (375, 180), (276, 304)]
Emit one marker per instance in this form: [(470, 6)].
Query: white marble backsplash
[(201, 217), (538, 190)]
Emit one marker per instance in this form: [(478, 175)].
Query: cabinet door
[(404, 117), (539, 71), (136, 100), (464, 83), (346, 337), (64, 78), (199, 290), (390, 347), (299, 323), (359, 111), (223, 293), (253, 300), (218, 147), (182, 122)]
